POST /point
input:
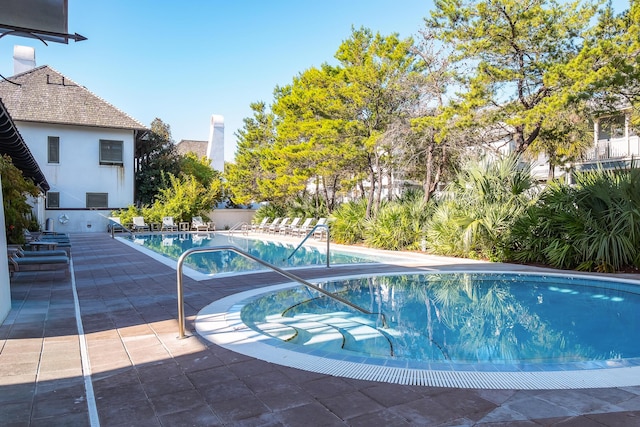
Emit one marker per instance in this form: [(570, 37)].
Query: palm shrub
[(594, 225), (268, 210), (475, 217), (309, 206), (399, 225), (347, 222)]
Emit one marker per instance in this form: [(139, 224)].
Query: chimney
[(24, 59), (215, 147)]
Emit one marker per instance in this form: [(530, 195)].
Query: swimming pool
[(482, 330), (274, 252)]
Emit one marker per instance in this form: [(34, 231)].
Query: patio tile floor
[(142, 375)]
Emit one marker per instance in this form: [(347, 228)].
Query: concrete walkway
[(135, 372)]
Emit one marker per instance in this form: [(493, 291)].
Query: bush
[(269, 210), (347, 222), (399, 225), (484, 201), (594, 225), (15, 191)]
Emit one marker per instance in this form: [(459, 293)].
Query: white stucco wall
[(227, 218), (79, 172), (5, 290)]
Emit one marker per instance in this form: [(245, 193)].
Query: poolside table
[(184, 226)]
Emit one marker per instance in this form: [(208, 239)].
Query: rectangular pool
[(278, 253)]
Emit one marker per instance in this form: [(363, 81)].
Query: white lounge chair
[(168, 225), (276, 229), (114, 224), (139, 224), (271, 227), (303, 229), (198, 224), (320, 232), (260, 227), (286, 229)]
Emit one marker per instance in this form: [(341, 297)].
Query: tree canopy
[(481, 71)]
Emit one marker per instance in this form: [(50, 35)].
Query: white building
[(616, 142), (84, 146)]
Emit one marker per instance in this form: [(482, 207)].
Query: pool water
[(479, 318), (276, 253)]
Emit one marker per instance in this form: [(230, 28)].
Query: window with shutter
[(111, 152), (97, 200)]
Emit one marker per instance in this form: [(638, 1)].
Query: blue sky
[(182, 61)]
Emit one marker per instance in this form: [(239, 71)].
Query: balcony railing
[(621, 148)]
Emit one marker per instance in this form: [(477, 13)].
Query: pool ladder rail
[(180, 287)]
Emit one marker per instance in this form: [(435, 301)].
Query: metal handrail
[(237, 226), (123, 227), (309, 235), (180, 290)]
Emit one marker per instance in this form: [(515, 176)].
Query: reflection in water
[(173, 245), (468, 317)]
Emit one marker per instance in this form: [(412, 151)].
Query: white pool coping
[(220, 323)]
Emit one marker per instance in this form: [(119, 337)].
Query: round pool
[(462, 329)]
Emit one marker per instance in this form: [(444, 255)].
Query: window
[(53, 199), (97, 200), (110, 152), (612, 127), (53, 149)]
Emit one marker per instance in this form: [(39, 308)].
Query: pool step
[(337, 331), (277, 330)]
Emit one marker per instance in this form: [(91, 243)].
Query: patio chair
[(303, 229), (260, 227), (22, 253), (275, 228), (274, 223), (139, 224), (114, 224), (198, 224), (320, 232), (168, 225), (284, 230), (42, 263)]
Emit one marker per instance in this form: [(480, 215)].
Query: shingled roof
[(190, 146), (44, 95)]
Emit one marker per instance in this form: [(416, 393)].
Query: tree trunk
[(428, 173)]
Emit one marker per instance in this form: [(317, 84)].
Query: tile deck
[(137, 373)]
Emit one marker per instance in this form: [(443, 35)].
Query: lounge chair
[(274, 223), (275, 228), (320, 232), (286, 229), (303, 229), (139, 224), (260, 227), (42, 263), (53, 241), (21, 253), (168, 225), (114, 224), (198, 224)]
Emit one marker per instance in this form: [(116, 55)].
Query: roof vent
[(24, 59)]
